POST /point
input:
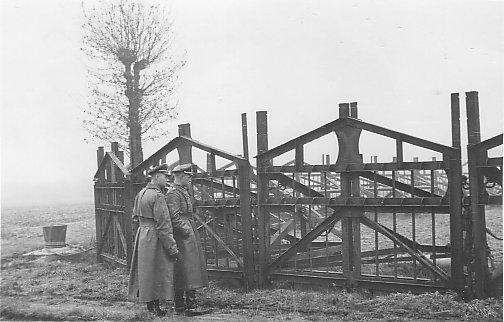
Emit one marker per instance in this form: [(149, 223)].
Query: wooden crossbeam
[(218, 186), (120, 232), (104, 234), (323, 226), (326, 251), (219, 240), (318, 219), (419, 256), (394, 183), (285, 229)]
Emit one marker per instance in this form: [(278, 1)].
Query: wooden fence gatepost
[(100, 154), (456, 195), (480, 265), (185, 152), (246, 218), (348, 139), (129, 197), (262, 194)]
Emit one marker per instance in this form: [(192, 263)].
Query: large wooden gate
[(400, 225), (322, 226)]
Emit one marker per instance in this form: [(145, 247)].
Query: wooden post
[(263, 230), (245, 136), (100, 154), (399, 152), (348, 139), (185, 152), (480, 266), (210, 164), (114, 170), (128, 196), (353, 110), (299, 157), (246, 217), (455, 116), (344, 110), (98, 221), (455, 195)]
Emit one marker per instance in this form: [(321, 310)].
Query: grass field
[(78, 288)]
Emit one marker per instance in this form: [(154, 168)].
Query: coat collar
[(177, 186), (151, 185)]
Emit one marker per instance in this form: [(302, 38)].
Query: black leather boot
[(159, 311), (192, 308), (150, 306), (191, 299), (153, 307)]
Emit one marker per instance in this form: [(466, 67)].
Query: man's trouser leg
[(180, 303)]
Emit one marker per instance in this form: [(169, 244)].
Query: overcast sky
[(296, 59)]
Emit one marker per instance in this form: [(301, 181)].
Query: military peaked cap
[(163, 168), (185, 168)]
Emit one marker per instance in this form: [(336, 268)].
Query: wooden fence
[(387, 226)]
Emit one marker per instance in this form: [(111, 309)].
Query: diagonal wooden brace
[(219, 240), (419, 256), (323, 226)]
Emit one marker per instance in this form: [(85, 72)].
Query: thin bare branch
[(133, 77)]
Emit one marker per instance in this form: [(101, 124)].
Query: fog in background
[(295, 59)]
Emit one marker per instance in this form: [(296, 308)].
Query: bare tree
[(133, 73)]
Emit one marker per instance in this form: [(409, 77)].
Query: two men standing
[(167, 244)]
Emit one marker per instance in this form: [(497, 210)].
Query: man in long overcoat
[(155, 251), (190, 269)]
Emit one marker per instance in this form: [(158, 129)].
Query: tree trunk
[(135, 135), (134, 96)]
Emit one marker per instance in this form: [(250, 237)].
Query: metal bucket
[(55, 236)]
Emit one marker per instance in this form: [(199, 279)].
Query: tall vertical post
[(262, 194), (455, 195), (455, 116), (114, 170), (344, 110), (100, 154), (299, 157), (353, 110), (128, 196), (480, 263), (185, 152), (245, 136), (246, 218), (348, 141)]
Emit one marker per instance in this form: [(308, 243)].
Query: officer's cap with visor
[(183, 168), (163, 168)]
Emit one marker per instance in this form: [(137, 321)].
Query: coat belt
[(147, 222)]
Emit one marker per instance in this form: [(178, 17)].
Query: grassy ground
[(77, 288)]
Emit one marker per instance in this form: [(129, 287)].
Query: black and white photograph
[(281, 160)]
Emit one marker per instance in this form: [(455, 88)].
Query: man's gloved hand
[(176, 256), (187, 233)]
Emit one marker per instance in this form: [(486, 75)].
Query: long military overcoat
[(152, 266), (190, 271)]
